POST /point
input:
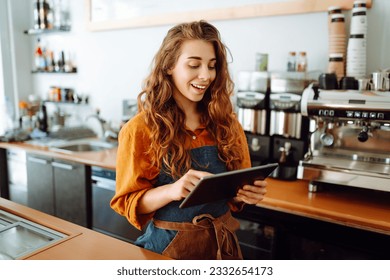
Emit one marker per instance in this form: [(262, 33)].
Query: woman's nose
[(204, 73)]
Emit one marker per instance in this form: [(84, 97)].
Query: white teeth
[(198, 86)]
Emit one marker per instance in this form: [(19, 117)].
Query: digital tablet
[(225, 185)]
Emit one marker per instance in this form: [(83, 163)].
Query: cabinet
[(17, 175), (60, 188), (3, 174), (302, 238), (105, 219)]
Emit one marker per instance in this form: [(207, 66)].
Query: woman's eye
[(211, 66), (194, 66)]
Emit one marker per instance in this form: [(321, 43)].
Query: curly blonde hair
[(167, 121)]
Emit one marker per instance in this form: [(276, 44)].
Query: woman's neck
[(192, 116)]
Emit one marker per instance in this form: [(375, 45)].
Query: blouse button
[(194, 137)]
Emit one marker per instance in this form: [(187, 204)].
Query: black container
[(328, 81), (349, 83), (42, 118)]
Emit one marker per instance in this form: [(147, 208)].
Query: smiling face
[(193, 72)]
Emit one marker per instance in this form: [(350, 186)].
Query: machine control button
[(331, 113), (365, 115), (357, 114), (381, 116), (349, 114), (372, 115)]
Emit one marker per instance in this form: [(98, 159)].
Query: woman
[(185, 129)]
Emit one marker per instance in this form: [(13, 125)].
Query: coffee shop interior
[(312, 93)]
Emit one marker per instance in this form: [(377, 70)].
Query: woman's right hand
[(155, 198), (182, 187)]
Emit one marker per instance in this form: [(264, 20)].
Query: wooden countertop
[(81, 243), (360, 208), (105, 159)]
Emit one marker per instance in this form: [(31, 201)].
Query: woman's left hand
[(252, 194)]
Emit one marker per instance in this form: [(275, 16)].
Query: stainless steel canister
[(285, 116), (380, 81), (251, 101), (254, 121), (286, 124), (252, 113)]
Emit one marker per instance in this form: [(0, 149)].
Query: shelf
[(65, 102), (47, 31), (74, 71)]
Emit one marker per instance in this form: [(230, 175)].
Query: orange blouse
[(134, 174)]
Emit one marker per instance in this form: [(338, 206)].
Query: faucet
[(110, 135), (107, 132)]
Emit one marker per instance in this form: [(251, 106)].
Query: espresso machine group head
[(350, 136)]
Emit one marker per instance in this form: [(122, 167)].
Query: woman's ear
[(169, 72)]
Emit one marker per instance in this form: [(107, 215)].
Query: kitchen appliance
[(285, 99), (288, 128), (17, 175), (252, 101), (104, 218), (253, 113), (349, 145)]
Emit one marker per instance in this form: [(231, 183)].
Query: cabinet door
[(17, 176), (40, 194), (3, 174), (72, 192)]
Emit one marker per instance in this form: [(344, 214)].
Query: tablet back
[(225, 185)]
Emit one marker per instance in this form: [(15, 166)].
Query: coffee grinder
[(253, 113), (288, 128)]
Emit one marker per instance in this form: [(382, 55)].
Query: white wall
[(113, 64)]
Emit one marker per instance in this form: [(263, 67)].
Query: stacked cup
[(356, 51), (331, 11), (337, 41)]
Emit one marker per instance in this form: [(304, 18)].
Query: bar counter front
[(351, 218)]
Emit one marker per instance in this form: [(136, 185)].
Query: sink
[(19, 237), (85, 145)]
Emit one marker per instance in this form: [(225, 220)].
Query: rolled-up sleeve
[(134, 173)]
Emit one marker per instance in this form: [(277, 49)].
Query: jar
[(261, 62), (291, 61), (302, 62)]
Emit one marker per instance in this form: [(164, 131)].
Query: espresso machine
[(253, 113), (350, 137), (288, 128)]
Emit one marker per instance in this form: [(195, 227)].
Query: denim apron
[(200, 232)]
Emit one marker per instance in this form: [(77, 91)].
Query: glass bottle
[(302, 62), (42, 118), (39, 60), (37, 19), (291, 61)]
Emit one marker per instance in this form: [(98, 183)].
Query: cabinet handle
[(62, 165), (38, 160)]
